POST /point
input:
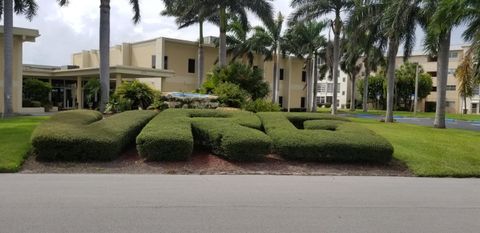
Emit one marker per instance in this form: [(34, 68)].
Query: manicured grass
[(15, 141), (463, 117), (431, 152)]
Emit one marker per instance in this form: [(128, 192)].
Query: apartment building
[(325, 91)]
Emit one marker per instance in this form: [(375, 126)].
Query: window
[(476, 91), (338, 87), (280, 101), (304, 76), (343, 79), (165, 62), (154, 61), (302, 102), (191, 66), (343, 92), (322, 87), (453, 54), (450, 104), (431, 59), (255, 67), (322, 99), (451, 71), (434, 89), (433, 74), (282, 72), (329, 87), (451, 87)]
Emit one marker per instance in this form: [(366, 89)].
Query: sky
[(74, 28)]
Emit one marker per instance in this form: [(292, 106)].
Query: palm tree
[(105, 45), (447, 15), (305, 41), (472, 33), (350, 65), (311, 9), (7, 8), (270, 37), (398, 19), (366, 31), (465, 76), (187, 13)]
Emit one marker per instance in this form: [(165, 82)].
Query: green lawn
[(432, 152), (15, 141), (466, 117)]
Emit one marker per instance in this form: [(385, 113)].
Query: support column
[(118, 81), (79, 93)]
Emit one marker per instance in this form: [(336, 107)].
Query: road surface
[(157, 203)]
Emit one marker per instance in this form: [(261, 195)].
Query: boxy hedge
[(174, 133), (83, 135), (317, 137)]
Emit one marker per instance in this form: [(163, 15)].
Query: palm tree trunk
[(392, 56), (336, 59), (8, 58), (442, 75), (223, 38), (365, 86), (315, 83), (352, 94), (201, 56), (276, 76), (104, 53), (309, 83)]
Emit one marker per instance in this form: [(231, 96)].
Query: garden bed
[(204, 163)]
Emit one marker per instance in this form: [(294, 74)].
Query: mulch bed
[(204, 163)]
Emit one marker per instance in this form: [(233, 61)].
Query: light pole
[(415, 100)]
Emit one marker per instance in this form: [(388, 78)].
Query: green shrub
[(261, 105), (139, 94), (230, 95), (36, 90), (82, 135), (92, 90), (173, 134), (326, 138)]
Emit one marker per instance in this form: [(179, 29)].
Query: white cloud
[(75, 28)]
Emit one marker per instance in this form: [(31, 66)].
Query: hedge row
[(82, 135), (173, 134), (325, 138)]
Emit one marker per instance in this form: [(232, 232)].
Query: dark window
[(154, 61), (451, 87), (302, 102), (434, 89), (282, 73), (165, 63), (433, 74), (255, 67), (432, 58), (280, 101), (191, 66), (304, 76)]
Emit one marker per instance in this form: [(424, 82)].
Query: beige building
[(20, 35), (454, 101)]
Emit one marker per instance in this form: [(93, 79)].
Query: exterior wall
[(17, 74), (343, 94)]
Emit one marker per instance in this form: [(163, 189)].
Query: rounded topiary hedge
[(83, 135), (173, 134), (317, 137)]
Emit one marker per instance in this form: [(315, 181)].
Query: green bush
[(82, 135), (325, 138), (92, 90), (139, 94), (230, 95), (173, 134), (261, 105), (36, 90)]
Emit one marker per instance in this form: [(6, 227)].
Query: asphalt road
[(153, 203)]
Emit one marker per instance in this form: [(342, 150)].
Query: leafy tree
[(230, 94), (377, 89), (7, 9), (92, 89), (312, 9), (104, 43), (36, 90), (139, 94), (248, 78), (405, 85)]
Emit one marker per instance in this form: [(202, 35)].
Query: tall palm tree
[(447, 15), (104, 42), (365, 30), (270, 38), (305, 41), (350, 65), (7, 8), (187, 13), (472, 33), (465, 75), (398, 19), (311, 9)]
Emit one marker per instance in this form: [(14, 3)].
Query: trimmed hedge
[(82, 135), (325, 138), (173, 134)]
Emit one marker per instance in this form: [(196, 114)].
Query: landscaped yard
[(15, 141), (432, 152), (464, 117)]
